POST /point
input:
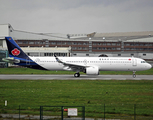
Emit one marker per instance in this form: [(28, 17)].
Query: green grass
[(33, 71), (119, 97)]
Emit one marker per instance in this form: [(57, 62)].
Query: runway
[(71, 77)]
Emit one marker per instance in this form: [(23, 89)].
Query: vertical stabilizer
[(14, 49)]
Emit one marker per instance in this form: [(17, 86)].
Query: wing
[(69, 66)]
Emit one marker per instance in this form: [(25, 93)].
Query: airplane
[(88, 65)]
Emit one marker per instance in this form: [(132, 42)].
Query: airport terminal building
[(121, 44)]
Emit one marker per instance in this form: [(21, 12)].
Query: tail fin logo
[(15, 52)]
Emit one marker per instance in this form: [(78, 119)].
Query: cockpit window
[(143, 61)]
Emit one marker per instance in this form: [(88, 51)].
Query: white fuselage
[(103, 63)]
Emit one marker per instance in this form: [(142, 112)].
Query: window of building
[(59, 43), (64, 43), (19, 42), (84, 43), (104, 48), (113, 44), (46, 41), (146, 44), (37, 42), (127, 44), (48, 54), (132, 48), (119, 54), (137, 48), (104, 43), (79, 48), (69, 43), (74, 43), (85, 48), (25, 42), (108, 43), (53, 43), (144, 54), (127, 48), (31, 42), (63, 54), (79, 43), (132, 44), (74, 48), (59, 54)]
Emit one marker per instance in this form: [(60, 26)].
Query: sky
[(77, 16)]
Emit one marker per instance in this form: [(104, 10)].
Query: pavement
[(71, 77)]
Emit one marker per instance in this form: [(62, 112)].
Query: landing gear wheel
[(77, 75), (134, 75)]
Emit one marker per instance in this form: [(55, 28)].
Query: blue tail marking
[(16, 52), (14, 49)]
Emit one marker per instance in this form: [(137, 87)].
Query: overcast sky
[(78, 16)]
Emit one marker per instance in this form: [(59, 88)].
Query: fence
[(62, 112), (102, 112)]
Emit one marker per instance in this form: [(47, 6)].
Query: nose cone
[(149, 66)]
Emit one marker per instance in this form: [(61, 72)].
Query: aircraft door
[(85, 62), (134, 62)]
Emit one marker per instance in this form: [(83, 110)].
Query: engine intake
[(92, 70)]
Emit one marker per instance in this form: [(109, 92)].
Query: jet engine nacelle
[(92, 70)]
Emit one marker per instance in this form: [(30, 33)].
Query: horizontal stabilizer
[(11, 60)]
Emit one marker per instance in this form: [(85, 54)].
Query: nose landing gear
[(77, 75), (134, 75)]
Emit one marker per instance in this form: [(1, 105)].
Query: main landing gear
[(134, 75), (77, 75)]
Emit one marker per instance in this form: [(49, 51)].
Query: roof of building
[(116, 36), (120, 36), (143, 33)]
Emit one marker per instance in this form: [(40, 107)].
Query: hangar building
[(122, 44)]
